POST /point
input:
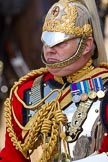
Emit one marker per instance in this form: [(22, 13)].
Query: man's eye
[(62, 44)]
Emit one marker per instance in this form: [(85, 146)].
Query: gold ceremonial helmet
[(69, 19)]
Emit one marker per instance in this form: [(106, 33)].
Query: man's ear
[(88, 45)]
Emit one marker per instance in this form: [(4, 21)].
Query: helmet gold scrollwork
[(69, 19)]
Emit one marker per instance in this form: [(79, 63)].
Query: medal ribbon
[(86, 86), (98, 84), (90, 84)]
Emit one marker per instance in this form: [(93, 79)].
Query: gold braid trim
[(75, 76), (48, 119), (100, 71), (58, 22), (26, 77)]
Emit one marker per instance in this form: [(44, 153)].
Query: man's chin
[(55, 71)]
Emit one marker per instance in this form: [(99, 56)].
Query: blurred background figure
[(20, 45), (20, 30), (20, 20), (102, 6)]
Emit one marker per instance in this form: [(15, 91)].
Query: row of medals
[(77, 96)]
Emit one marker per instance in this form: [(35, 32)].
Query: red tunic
[(9, 153)]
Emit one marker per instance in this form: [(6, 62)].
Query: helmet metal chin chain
[(69, 60)]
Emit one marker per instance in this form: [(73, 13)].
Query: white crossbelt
[(99, 157)]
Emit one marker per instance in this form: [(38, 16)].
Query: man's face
[(61, 52)]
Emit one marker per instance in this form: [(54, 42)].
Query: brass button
[(105, 134), (96, 110), (45, 84), (29, 115), (30, 93), (30, 103)]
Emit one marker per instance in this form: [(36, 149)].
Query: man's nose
[(50, 49)]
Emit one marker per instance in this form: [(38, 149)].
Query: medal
[(84, 97), (75, 93), (76, 98), (92, 95), (91, 88), (84, 90), (99, 87), (100, 94)]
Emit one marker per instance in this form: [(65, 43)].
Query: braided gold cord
[(33, 133), (36, 105), (46, 128), (8, 112), (26, 77), (46, 120), (62, 119), (41, 115), (50, 147), (8, 116)]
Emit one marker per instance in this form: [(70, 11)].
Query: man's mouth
[(52, 60)]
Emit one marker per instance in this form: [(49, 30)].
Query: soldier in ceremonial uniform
[(60, 112)]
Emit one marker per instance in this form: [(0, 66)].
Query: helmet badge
[(55, 11)]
